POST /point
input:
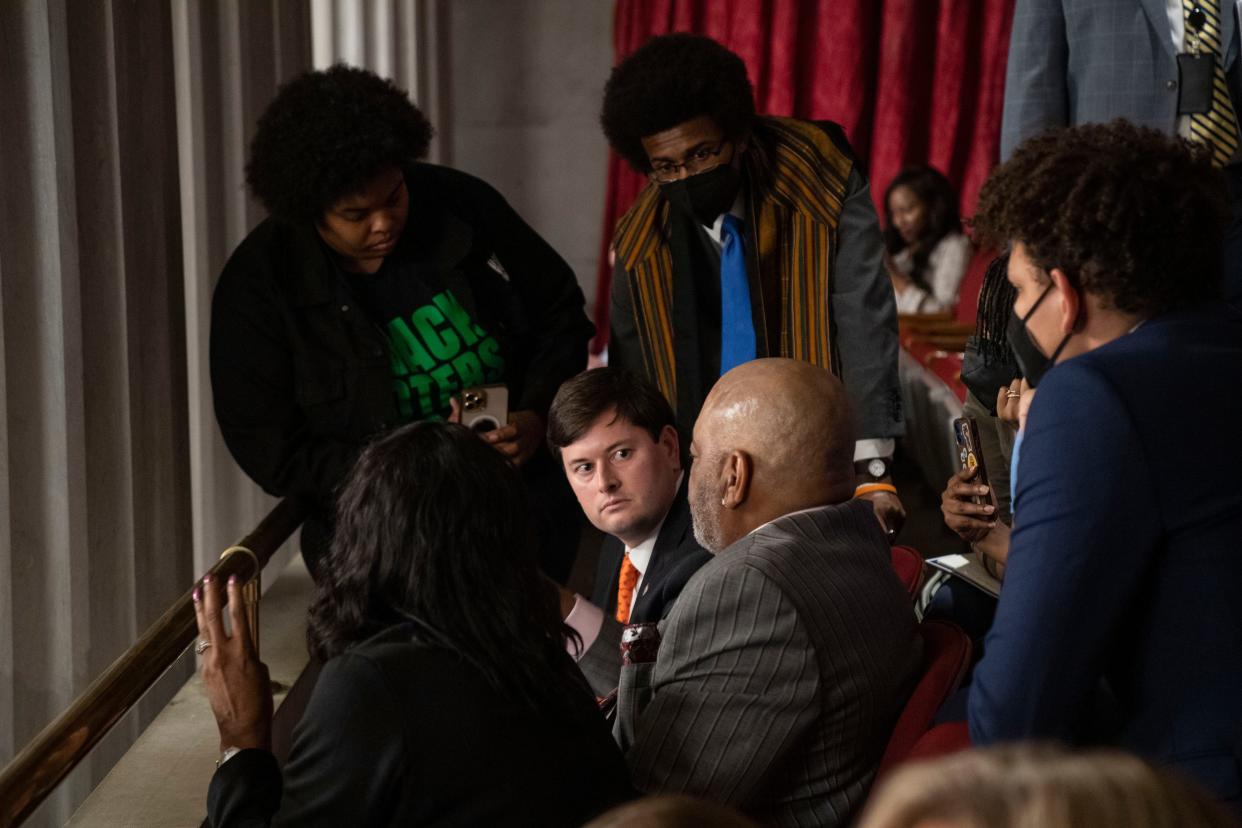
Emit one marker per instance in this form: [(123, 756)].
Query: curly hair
[(430, 519), (669, 80), (1130, 215), (941, 216), (327, 134)]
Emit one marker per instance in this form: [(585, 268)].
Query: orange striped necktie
[(1218, 127), (625, 589)]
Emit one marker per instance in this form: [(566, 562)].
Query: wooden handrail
[(36, 771)]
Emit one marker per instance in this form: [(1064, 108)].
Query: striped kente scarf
[(796, 180)]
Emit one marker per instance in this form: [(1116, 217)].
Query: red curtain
[(911, 81)]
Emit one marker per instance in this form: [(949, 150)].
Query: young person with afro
[(755, 237), (378, 289)]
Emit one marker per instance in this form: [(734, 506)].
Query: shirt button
[(1170, 85), (344, 308)]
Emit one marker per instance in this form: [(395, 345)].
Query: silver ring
[(1012, 394), (200, 646)]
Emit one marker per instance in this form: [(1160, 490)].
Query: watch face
[(877, 468)]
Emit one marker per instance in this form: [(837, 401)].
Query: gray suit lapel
[(1158, 17), (1228, 33)]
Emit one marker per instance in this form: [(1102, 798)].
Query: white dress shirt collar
[(738, 209)]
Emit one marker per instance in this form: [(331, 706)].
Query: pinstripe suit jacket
[(1090, 61), (783, 666)]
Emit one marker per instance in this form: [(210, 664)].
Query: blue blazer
[(1125, 564)]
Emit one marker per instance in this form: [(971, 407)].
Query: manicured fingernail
[(233, 578), (207, 578), (197, 595), (983, 490), (989, 509)]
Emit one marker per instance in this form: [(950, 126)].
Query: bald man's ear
[(738, 471)]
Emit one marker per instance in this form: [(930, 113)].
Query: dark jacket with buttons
[(300, 374)]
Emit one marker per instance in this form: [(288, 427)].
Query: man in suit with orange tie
[(616, 437)]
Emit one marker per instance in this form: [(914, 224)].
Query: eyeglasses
[(701, 160)]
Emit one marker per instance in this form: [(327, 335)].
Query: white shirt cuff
[(586, 619), (880, 447)]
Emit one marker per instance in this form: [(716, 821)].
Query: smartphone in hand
[(970, 455), (484, 407)]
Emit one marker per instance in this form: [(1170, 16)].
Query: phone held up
[(484, 408), (969, 454)]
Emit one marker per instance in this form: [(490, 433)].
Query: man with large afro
[(378, 289), (755, 237)]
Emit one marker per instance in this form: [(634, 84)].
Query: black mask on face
[(985, 377), (706, 195), (1030, 359)]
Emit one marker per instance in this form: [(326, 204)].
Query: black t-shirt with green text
[(436, 348)]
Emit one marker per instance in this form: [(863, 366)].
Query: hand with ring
[(1012, 401), (238, 684)]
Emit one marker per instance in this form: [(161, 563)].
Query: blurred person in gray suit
[(1076, 62), (1171, 65), (774, 683)]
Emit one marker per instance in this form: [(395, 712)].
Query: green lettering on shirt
[(436, 351), (442, 342), (457, 316), (406, 346)]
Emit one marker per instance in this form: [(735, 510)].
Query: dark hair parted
[(326, 135), (669, 80), (1131, 216), (582, 400), (940, 215), (432, 527)]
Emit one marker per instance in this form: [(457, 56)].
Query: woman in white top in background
[(927, 251)]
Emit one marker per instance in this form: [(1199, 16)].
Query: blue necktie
[(737, 328)]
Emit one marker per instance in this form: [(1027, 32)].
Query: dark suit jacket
[(677, 556), (400, 733), (1126, 556), (783, 666)]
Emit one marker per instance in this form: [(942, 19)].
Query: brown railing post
[(49, 757)]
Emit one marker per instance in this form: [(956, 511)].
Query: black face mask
[(984, 378), (1030, 359), (706, 195)]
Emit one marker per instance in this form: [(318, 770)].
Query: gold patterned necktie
[(1218, 127)]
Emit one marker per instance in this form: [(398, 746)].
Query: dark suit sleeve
[(865, 316), (256, 397), (735, 687), (624, 350), (1036, 93), (549, 292), (349, 757), (1078, 554), (601, 663)]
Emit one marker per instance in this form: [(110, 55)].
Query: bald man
[(783, 664)]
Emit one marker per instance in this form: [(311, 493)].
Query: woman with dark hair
[(928, 252), (380, 288), (447, 696), (989, 372)]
